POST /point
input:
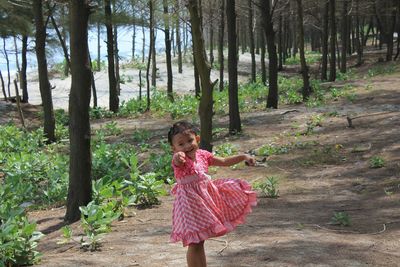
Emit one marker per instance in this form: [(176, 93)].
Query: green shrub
[(376, 162), (341, 218), (269, 187)]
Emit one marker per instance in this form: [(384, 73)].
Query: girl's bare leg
[(196, 256)]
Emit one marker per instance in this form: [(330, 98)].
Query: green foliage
[(348, 75), (100, 113), (18, 239), (125, 78), (135, 64), (376, 162), (95, 65), (96, 221), (142, 137), (271, 149), (314, 121), (225, 150), (341, 218), (160, 163), (311, 58), (381, 69), (290, 90), (269, 187)]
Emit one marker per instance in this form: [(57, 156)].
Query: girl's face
[(187, 143)]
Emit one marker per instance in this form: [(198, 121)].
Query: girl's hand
[(179, 158), (249, 160)]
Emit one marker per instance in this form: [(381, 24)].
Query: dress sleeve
[(208, 157)]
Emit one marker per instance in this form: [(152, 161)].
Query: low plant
[(341, 218), (100, 113), (271, 149), (269, 187), (376, 162), (160, 163), (225, 150), (96, 221)]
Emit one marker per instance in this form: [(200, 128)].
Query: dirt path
[(319, 176)]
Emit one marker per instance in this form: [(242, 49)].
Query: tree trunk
[(80, 186), (234, 115), (211, 31), (62, 42), (168, 51), (153, 56), (143, 40), (263, 67), (304, 68), (116, 56), (325, 37), (114, 100), (133, 42), (24, 83), (344, 36), (8, 67), (44, 84), (3, 87), (94, 91), (206, 101), (251, 40), (178, 36), (332, 69), (280, 52), (150, 3), (16, 56), (358, 37), (98, 47), (272, 99), (221, 44)]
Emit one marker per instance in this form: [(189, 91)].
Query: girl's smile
[(186, 142)]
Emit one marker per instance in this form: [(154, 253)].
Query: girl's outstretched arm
[(232, 160)]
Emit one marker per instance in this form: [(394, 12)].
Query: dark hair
[(181, 127)]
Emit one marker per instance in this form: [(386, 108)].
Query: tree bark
[(3, 87), (178, 35), (80, 186), (332, 69), (133, 42), (280, 38), (344, 36), (98, 47), (8, 67), (304, 68), (251, 40), (221, 44), (325, 37), (272, 99), (116, 56), (211, 32), (206, 101), (150, 3), (168, 51), (62, 42), (24, 83), (262, 57), (358, 37), (114, 100), (44, 84), (235, 125)]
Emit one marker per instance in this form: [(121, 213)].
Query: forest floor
[(325, 171)]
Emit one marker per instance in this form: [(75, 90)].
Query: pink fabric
[(205, 208)]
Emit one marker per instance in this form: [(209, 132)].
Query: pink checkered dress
[(205, 208)]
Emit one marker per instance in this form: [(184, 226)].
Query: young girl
[(204, 208)]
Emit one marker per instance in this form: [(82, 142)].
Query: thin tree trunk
[(80, 185), (251, 40), (211, 32), (98, 47), (280, 37), (221, 44), (206, 101), (64, 47), (344, 36), (178, 36), (263, 66), (16, 55), (150, 3), (8, 67), (304, 68), (3, 87), (114, 100), (332, 69), (133, 41), (94, 91), (325, 38), (272, 99), (143, 40), (153, 56), (18, 100), (116, 55), (44, 84), (358, 37), (234, 114), (168, 51), (24, 83)]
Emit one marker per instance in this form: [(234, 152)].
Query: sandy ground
[(182, 82)]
